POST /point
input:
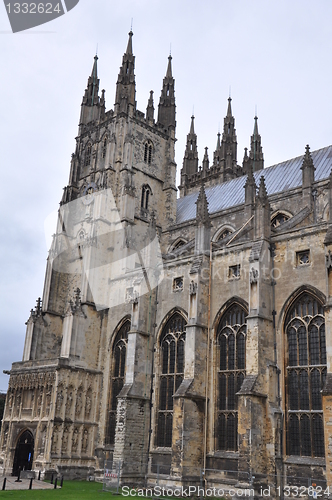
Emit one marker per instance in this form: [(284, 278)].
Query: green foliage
[(72, 490)]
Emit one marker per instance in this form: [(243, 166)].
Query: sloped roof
[(281, 177)]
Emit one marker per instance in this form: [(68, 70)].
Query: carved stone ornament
[(192, 288), (85, 440), (74, 441), (254, 274), (328, 260), (79, 403)]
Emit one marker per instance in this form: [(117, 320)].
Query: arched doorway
[(23, 453)]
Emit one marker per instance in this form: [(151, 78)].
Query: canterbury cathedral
[(182, 332)]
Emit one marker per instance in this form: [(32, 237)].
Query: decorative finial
[(230, 91), (170, 49), (97, 50), (131, 25)]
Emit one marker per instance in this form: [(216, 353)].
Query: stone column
[(189, 400), (133, 408), (257, 402)]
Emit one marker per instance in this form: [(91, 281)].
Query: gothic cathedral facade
[(179, 336)]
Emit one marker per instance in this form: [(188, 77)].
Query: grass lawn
[(72, 490)]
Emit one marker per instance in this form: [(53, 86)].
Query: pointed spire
[(228, 149), (202, 212), (308, 176), (307, 159), (205, 161), (190, 160), (262, 193), (256, 150), (94, 67), (91, 92), (192, 128), (166, 108), (90, 110), (262, 212), (129, 50), (256, 126), (150, 108), (169, 67), (125, 86), (229, 108), (218, 141)]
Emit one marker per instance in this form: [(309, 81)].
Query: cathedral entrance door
[(23, 453)]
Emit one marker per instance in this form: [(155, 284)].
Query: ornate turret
[(226, 152), (166, 108), (256, 151), (308, 177), (150, 108), (91, 104), (125, 86), (205, 163), (190, 160)]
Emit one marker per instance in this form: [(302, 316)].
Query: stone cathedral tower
[(183, 337)]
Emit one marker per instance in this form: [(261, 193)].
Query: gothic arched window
[(119, 350), (148, 152), (231, 341), (87, 159), (305, 376), (146, 193), (172, 345)]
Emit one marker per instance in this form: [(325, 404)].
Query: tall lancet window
[(231, 341), (118, 369), (172, 345), (87, 159), (104, 149), (305, 376)]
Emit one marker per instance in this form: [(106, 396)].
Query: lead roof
[(281, 177)]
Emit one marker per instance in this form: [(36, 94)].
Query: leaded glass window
[(119, 351), (305, 376), (87, 159), (231, 339), (172, 345)]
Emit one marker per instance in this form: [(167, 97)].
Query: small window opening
[(234, 272), (178, 284), (303, 258), (150, 154), (88, 155)]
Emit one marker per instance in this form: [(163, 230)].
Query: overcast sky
[(276, 55)]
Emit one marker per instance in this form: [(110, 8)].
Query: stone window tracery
[(119, 351), (87, 159), (172, 345), (148, 152), (305, 376), (279, 219), (146, 193), (226, 232), (231, 341)]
